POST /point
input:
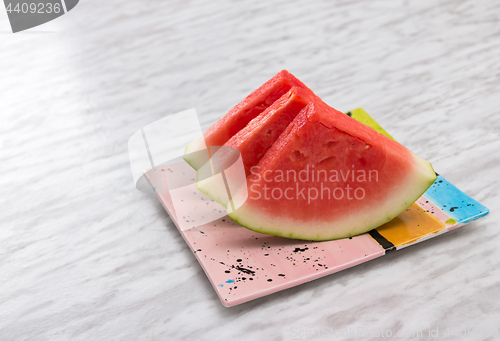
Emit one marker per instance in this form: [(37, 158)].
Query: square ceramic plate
[(243, 265)]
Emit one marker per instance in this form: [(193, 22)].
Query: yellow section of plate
[(411, 225)]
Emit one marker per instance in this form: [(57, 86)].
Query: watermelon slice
[(329, 176), (259, 135), (238, 117), (252, 142)]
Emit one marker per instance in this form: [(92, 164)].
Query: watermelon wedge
[(237, 118), (329, 176), (252, 142), (259, 135)]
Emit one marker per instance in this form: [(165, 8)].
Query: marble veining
[(84, 255)]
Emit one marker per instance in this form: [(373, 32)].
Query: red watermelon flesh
[(329, 176), (259, 135), (238, 117)]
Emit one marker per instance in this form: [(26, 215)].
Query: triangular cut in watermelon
[(329, 176), (197, 152)]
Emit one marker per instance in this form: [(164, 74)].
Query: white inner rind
[(190, 155), (223, 175), (214, 188), (359, 221)]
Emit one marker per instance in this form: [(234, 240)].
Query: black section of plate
[(387, 245)]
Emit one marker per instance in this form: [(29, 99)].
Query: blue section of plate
[(455, 203)]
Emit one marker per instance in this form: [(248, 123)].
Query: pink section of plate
[(243, 265)]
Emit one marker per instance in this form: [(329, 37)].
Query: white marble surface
[(85, 256)]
